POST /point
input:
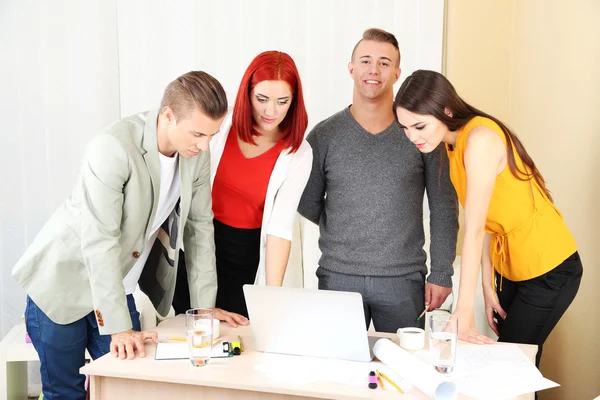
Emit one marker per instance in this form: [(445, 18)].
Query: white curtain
[(158, 42), (59, 85), (69, 68)]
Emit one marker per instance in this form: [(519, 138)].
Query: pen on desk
[(379, 379), (391, 382), (423, 313), (241, 343)]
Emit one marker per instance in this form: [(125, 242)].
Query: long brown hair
[(430, 93)]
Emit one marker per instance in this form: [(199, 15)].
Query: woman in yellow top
[(511, 224)]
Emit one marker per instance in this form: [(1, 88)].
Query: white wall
[(222, 37), (59, 83), (69, 68)]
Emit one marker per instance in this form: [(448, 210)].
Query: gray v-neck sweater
[(366, 194)]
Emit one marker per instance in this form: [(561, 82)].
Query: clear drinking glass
[(198, 324), (443, 336)]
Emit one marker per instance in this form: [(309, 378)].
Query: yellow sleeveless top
[(530, 237)]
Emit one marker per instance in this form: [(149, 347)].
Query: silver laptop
[(315, 323)]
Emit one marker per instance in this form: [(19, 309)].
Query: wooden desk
[(224, 378)]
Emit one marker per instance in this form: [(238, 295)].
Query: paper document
[(480, 367), (477, 371), (179, 351), (304, 370)]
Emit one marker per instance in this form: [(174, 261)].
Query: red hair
[(271, 66)]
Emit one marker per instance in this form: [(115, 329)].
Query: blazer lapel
[(150, 154), (185, 179)]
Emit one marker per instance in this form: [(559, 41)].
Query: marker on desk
[(236, 348), (232, 348), (372, 380), (241, 343)]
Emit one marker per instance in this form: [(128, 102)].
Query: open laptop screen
[(316, 323)]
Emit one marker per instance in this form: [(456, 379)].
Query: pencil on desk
[(391, 382), (423, 313), (379, 379)]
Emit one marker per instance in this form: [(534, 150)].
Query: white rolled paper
[(418, 373)]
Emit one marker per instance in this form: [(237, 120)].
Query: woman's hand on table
[(231, 318), (467, 332)]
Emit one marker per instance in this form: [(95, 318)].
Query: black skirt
[(238, 256)]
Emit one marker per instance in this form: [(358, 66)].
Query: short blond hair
[(378, 35), (195, 89)]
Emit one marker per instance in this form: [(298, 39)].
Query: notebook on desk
[(314, 323)]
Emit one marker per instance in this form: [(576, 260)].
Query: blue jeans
[(61, 349)]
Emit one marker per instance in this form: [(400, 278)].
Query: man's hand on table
[(124, 345)]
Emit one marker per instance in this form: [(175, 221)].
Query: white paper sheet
[(503, 367), (179, 351), (304, 370), (489, 372)]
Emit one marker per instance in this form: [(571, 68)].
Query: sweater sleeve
[(443, 208), (312, 201)]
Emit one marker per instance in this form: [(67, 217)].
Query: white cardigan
[(287, 182)]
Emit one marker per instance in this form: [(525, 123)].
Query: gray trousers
[(392, 302)]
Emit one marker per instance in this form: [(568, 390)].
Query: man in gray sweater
[(366, 194)]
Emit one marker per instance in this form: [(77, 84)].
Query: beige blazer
[(77, 262)]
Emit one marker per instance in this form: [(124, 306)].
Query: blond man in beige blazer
[(118, 228)]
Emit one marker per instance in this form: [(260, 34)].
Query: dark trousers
[(535, 306), (238, 255), (61, 349), (391, 301)]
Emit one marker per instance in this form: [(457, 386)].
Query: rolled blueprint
[(417, 372)]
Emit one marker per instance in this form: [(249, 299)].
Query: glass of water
[(443, 336), (198, 324)]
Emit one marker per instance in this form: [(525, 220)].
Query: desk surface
[(235, 372)]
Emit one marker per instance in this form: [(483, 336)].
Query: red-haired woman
[(260, 164)]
